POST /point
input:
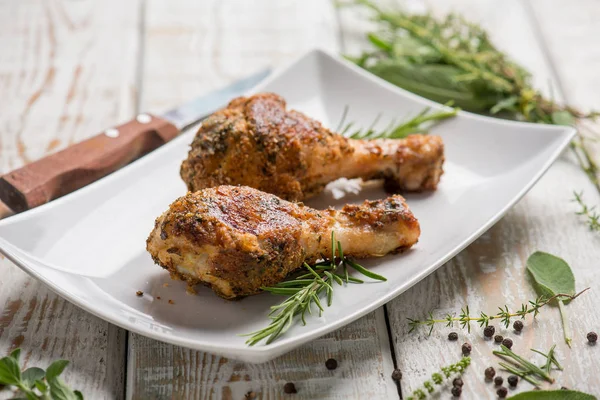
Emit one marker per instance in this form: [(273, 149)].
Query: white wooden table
[(69, 68)]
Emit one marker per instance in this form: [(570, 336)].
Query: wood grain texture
[(490, 272), (191, 48), (63, 77)]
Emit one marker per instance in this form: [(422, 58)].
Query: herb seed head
[(518, 325), (490, 372), (507, 342), (498, 338), (458, 382), (453, 336), (397, 375), (466, 349), (592, 337), (502, 392), (513, 380), (456, 391), (498, 381), (332, 364), (290, 388), (489, 331)]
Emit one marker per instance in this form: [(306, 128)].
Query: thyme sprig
[(504, 315), (525, 369), (420, 123), (305, 291), (591, 215), (439, 377)]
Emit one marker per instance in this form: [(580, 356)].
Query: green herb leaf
[(41, 386), (553, 395), (60, 391), (56, 368), (551, 275), (79, 395), (10, 373), (16, 354), (31, 375), (563, 117)]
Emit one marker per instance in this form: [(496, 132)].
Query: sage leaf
[(10, 373), (31, 375), (55, 369), (552, 275), (563, 117), (553, 395)]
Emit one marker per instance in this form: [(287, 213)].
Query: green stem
[(565, 323)]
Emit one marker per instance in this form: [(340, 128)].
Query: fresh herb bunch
[(504, 315), (439, 377), (451, 59), (35, 383), (591, 215), (305, 290), (526, 369)]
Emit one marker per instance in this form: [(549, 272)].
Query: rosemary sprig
[(591, 215), (526, 369), (305, 291), (439, 377), (504, 314), (420, 123)]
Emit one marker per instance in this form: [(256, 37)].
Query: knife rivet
[(112, 133), (143, 118)]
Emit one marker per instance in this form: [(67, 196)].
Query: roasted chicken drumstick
[(256, 142), (236, 239)]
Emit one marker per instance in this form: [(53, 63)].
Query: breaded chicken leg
[(256, 142), (236, 239)]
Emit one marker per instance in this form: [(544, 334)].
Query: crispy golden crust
[(257, 142), (237, 239)]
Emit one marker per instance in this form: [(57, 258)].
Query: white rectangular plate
[(90, 246)]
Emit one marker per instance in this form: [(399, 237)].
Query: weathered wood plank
[(67, 70), (490, 272), (191, 48)]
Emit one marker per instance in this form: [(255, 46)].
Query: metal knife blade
[(193, 111)]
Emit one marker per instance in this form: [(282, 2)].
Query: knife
[(83, 163)]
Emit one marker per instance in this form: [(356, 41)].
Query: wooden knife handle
[(83, 163)]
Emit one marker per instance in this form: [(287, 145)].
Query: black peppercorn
[(592, 337), (518, 325), (453, 336), (498, 338), (513, 380), (456, 391), (489, 331), (507, 342), (498, 380), (490, 372), (458, 382), (290, 388), (466, 349), (502, 392), (397, 375), (331, 364)]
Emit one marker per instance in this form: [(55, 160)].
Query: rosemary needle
[(304, 292)]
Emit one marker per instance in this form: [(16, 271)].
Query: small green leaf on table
[(10, 373), (552, 275)]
